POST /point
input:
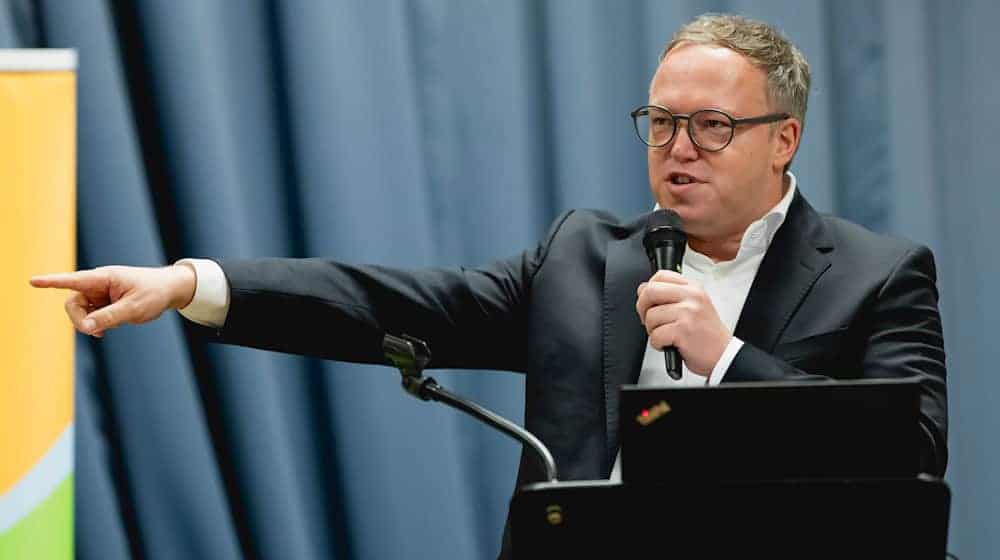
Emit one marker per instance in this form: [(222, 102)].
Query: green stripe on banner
[(45, 533)]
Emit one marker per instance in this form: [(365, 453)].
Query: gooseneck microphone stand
[(411, 356)]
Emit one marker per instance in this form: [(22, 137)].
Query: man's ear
[(788, 134)]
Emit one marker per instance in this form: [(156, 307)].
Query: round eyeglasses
[(709, 129)]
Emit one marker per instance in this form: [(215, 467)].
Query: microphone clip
[(410, 355)]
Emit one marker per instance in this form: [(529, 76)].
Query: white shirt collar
[(759, 234)]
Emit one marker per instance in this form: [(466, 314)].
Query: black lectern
[(810, 496), (901, 518)]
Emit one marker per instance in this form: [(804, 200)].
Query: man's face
[(730, 188)]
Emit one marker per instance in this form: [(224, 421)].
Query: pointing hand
[(106, 297)]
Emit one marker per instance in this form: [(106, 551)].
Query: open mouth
[(677, 178)]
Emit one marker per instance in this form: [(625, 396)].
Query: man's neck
[(726, 248), (719, 250)]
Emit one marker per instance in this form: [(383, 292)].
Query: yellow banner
[(37, 235)]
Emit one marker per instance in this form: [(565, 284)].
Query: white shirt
[(726, 283)]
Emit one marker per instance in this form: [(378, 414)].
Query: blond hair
[(766, 48)]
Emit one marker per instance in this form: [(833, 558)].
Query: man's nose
[(682, 148)]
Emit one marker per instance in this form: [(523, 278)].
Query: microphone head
[(664, 227)]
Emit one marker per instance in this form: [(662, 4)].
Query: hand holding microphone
[(677, 313), (665, 241)]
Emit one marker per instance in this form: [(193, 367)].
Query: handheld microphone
[(665, 242)]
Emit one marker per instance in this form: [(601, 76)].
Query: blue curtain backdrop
[(433, 132)]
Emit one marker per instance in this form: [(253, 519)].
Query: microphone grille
[(663, 227), (664, 217)]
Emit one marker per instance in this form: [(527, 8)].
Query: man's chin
[(685, 206), (695, 224), (688, 215)]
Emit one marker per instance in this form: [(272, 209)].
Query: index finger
[(80, 280)]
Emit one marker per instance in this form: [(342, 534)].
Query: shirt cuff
[(722, 366), (210, 304)]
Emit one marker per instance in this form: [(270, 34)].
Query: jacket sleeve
[(469, 317), (904, 340)]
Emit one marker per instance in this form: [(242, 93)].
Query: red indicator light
[(645, 413)]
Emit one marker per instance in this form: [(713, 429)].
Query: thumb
[(110, 316)]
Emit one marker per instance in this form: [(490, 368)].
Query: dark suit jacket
[(831, 299)]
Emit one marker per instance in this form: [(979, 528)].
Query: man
[(770, 290)]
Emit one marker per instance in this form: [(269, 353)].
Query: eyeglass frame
[(762, 119)]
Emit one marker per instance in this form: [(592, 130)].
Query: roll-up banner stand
[(37, 235)]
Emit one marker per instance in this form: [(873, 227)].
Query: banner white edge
[(37, 60)]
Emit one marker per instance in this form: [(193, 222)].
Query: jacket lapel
[(624, 336), (794, 261)]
